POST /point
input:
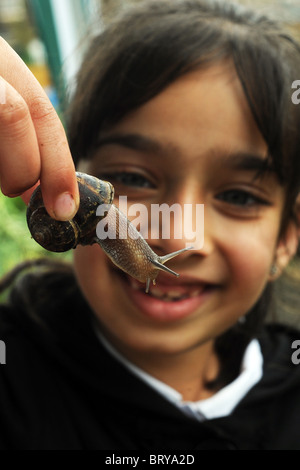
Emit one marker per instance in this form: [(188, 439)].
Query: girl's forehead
[(203, 106)]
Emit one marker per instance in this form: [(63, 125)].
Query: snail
[(131, 254), (58, 236)]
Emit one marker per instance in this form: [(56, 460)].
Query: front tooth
[(196, 292), (157, 293), (174, 294)]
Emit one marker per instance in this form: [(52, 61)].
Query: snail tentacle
[(165, 258), (162, 267), (148, 285)]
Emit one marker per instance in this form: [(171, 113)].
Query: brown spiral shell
[(58, 236)]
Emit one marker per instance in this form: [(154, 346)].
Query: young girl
[(181, 102)]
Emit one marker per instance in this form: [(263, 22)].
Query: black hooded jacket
[(60, 389)]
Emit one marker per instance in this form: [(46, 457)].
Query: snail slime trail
[(132, 255)]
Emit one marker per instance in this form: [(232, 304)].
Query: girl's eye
[(240, 198), (133, 180)]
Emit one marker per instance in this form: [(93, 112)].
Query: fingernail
[(64, 207)]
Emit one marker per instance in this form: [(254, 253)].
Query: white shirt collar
[(219, 405)]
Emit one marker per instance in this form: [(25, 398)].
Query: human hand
[(33, 144)]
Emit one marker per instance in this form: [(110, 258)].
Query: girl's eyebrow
[(239, 160), (249, 162), (132, 141)]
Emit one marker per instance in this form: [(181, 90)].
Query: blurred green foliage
[(16, 244)]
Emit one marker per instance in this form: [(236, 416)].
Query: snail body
[(131, 253)]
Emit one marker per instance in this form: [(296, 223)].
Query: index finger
[(57, 175)]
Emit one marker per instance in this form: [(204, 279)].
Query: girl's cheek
[(86, 259), (250, 253), (90, 265), (250, 269)]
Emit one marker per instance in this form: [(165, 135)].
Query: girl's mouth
[(167, 293), (169, 299)]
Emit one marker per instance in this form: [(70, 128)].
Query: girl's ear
[(286, 249)]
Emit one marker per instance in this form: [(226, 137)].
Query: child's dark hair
[(139, 55)]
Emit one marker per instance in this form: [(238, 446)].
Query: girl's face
[(194, 143)]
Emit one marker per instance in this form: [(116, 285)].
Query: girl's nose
[(180, 224)]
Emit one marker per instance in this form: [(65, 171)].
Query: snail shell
[(58, 236)]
